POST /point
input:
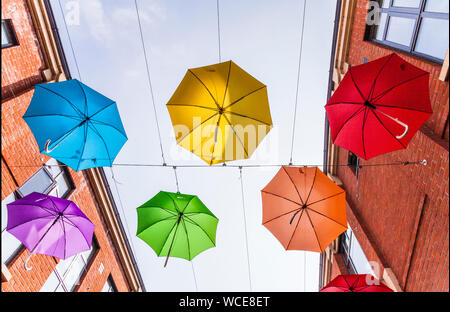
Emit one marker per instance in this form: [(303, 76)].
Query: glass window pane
[(62, 185), (39, 182), (385, 3), (10, 244), (54, 169), (433, 37), (437, 6), (406, 3), (5, 35), (51, 283), (381, 26), (400, 30), (74, 273), (64, 265), (359, 259), (9, 199)]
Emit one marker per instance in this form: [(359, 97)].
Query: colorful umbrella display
[(75, 124), (355, 283), (303, 208), (176, 225), (49, 225), (220, 112), (379, 106)]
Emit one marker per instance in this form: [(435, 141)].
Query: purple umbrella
[(49, 225)]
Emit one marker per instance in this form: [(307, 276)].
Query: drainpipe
[(327, 126)]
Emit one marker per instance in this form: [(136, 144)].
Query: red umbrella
[(379, 106), (356, 283)]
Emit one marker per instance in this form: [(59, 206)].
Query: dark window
[(9, 37), (354, 258), (109, 286), (419, 27), (353, 163)]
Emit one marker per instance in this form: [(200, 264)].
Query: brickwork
[(21, 67), (410, 234)]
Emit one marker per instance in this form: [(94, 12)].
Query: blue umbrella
[(75, 124)]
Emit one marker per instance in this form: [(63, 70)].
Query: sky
[(103, 47)]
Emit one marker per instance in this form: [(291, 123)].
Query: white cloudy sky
[(261, 36)]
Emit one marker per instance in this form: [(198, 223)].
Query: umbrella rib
[(65, 135), (312, 186), (314, 229), (348, 119), (174, 204), (242, 97), (165, 219), (232, 128), (20, 224), (406, 108), (54, 115), (240, 115), (301, 199), (295, 229), (226, 86), (187, 204), (189, 105), (71, 104), (326, 198), (319, 213), (57, 243), (187, 239), (282, 197), (85, 98), (173, 240), (379, 96), (34, 205), (196, 224), (215, 141), (102, 109), (205, 87), (65, 239), (387, 129), (344, 103), (357, 88), (297, 209), (84, 144), (105, 124), (181, 139), (362, 131), (103, 140), (73, 224), (372, 88)]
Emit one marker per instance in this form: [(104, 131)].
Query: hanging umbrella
[(176, 225), (75, 124), (379, 106), (303, 208), (220, 112), (49, 225), (355, 283)]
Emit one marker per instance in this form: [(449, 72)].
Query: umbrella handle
[(47, 150), (397, 121), (28, 268)]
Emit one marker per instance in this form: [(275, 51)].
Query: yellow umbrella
[(220, 112)]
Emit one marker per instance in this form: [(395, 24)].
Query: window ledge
[(443, 76), (6, 275)]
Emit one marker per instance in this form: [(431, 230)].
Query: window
[(9, 37), (353, 163), (109, 285), (51, 179), (419, 27), (67, 274), (354, 257)]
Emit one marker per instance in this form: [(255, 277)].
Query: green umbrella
[(177, 225)]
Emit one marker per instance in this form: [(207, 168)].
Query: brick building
[(32, 53), (398, 216)]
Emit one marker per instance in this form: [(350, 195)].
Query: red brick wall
[(20, 70), (387, 199), (338, 267)]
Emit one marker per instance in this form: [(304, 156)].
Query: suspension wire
[(70, 40), (176, 178), (149, 82), (298, 80), (218, 30), (195, 278), (304, 271), (245, 227)]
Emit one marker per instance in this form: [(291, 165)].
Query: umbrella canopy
[(220, 112), (176, 225), (75, 124), (379, 106), (355, 283), (304, 209), (49, 225)]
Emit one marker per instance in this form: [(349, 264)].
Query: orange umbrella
[(304, 209)]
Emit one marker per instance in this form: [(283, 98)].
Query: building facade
[(398, 216), (31, 54)]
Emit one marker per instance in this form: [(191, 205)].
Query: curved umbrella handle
[(397, 121), (28, 268), (47, 150)]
